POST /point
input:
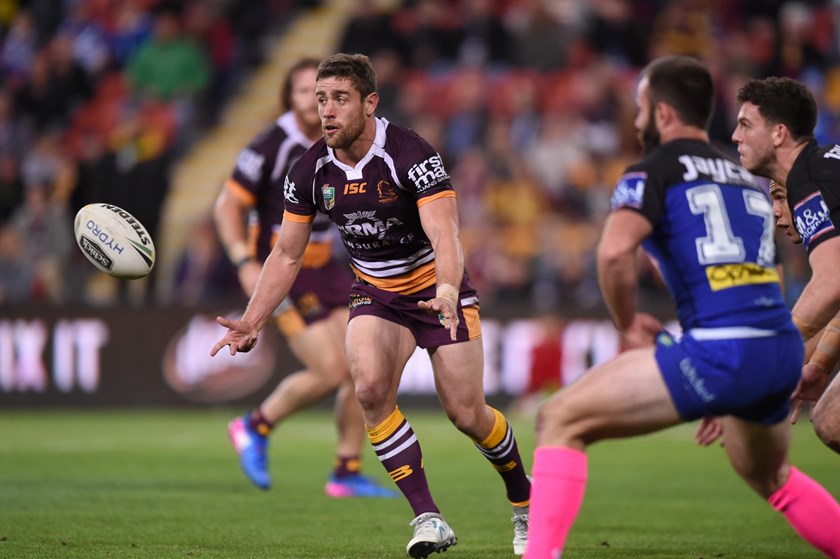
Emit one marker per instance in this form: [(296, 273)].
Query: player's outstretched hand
[(811, 386), (643, 331), (241, 336), (709, 430), (446, 311)]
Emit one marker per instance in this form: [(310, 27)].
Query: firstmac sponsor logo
[(428, 173)]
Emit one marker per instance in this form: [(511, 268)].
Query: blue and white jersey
[(712, 236)]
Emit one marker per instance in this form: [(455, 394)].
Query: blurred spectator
[(47, 164), (369, 31), (206, 27), (168, 66), (38, 99), (15, 132), (16, 274), (204, 272), (545, 375), (11, 186), (465, 105), (67, 76), (88, 37), (19, 48), (46, 231), (557, 148), (614, 34), (132, 27), (540, 36), (483, 39), (430, 33)]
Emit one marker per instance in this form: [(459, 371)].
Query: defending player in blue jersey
[(710, 229)]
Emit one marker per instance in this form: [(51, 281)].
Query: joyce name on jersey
[(258, 176), (375, 204), (712, 234), (813, 190)]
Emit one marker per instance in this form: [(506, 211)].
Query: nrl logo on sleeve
[(328, 193), (630, 191)]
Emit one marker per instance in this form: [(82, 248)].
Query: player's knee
[(557, 421), (827, 425), (465, 419), (370, 394)]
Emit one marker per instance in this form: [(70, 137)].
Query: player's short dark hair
[(783, 101), (685, 84), (355, 67), (286, 88)]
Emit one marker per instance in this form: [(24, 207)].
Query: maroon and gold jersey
[(375, 204), (257, 180)]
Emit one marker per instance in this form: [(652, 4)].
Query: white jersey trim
[(391, 268), (729, 333)]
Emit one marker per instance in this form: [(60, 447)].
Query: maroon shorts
[(427, 329), (318, 291)]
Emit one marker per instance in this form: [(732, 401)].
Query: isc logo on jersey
[(428, 173), (811, 218), (630, 191)]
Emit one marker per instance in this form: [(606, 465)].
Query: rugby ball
[(114, 241)]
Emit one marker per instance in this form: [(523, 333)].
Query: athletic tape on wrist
[(827, 353), (807, 330), (448, 291)]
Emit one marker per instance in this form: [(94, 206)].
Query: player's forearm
[(449, 262), (618, 280), (231, 228), (278, 274), (826, 353), (816, 306)]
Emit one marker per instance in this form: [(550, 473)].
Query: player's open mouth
[(330, 130)]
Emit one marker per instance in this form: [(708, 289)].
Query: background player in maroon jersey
[(775, 137), (387, 191), (314, 317)]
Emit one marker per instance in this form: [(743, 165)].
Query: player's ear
[(780, 132), (370, 104), (662, 113)]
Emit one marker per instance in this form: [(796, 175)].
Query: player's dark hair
[(783, 101), (354, 67), (286, 88), (685, 84)]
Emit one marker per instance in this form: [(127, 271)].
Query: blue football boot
[(251, 448), (357, 485)]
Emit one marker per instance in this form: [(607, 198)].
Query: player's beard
[(649, 136), (347, 134)]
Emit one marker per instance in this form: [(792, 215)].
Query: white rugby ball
[(114, 241)]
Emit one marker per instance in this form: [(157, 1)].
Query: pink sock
[(811, 510), (556, 495)]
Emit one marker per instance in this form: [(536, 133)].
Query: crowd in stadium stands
[(529, 102), (98, 98)]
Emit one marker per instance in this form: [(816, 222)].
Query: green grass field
[(157, 484)]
